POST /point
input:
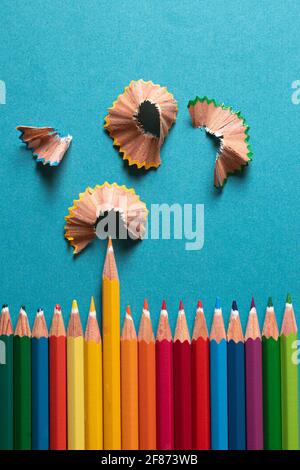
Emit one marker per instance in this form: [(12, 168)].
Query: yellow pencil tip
[(74, 305), (92, 305)]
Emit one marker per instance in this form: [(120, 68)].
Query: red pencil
[(58, 382), (164, 383), (200, 383), (182, 384)]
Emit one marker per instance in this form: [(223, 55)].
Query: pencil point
[(74, 306), (218, 303), (234, 306), (181, 305), (109, 243), (289, 299), (92, 305), (252, 303), (199, 305), (270, 302), (146, 306), (128, 311), (23, 307), (164, 305), (4, 306), (57, 307)]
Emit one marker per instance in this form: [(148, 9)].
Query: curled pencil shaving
[(83, 216), (139, 121), (231, 128), (46, 144)]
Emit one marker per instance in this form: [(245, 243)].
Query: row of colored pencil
[(212, 392)]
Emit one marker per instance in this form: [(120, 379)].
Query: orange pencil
[(129, 385), (147, 385)]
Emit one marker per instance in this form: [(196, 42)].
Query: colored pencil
[(93, 383), (289, 378), (271, 381), (75, 381), (218, 381), (6, 381), (164, 383), (253, 371), (22, 383), (147, 387), (200, 383), (236, 382), (111, 352), (58, 382), (182, 384), (129, 385), (40, 383)]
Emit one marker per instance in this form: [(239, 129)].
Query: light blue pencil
[(40, 401), (218, 381)]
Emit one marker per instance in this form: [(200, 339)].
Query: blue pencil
[(40, 402), (236, 382), (218, 382)]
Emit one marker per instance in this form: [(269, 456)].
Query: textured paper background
[(64, 63)]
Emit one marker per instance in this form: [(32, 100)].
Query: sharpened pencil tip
[(57, 307), (92, 305), (146, 306), (164, 305), (218, 303), (109, 243), (234, 306), (74, 306), (23, 307), (252, 303), (199, 305), (128, 310), (181, 305), (4, 306), (289, 299), (270, 302)]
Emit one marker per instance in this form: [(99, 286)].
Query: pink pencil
[(164, 383)]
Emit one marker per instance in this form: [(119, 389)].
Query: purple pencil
[(253, 371)]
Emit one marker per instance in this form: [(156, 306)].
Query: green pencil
[(271, 381), (22, 383), (6, 381), (289, 378)]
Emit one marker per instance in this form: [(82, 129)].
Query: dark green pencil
[(6, 381), (271, 381), (22, 383)]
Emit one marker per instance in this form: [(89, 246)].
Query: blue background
[(64, 63)]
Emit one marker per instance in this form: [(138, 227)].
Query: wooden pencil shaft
[(22, 393), (271, 393), (111, 364), (6, 391), (93, 396), (75, 388), (289, 393)]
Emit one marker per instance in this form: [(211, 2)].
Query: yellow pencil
[(93, 383), (111, 352), (75, 381)]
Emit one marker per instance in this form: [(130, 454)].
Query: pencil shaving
[(83, 216), (139, 121), (231, 129), (46, 144)]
